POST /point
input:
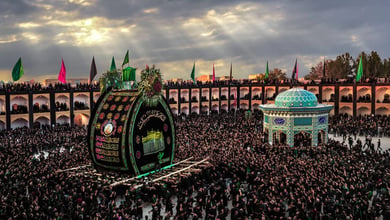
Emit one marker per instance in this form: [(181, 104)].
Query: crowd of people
[(38, 87), (362, 125), (244, 179), (190, 83)]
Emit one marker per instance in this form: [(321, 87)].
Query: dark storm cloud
[(122, 9), (16, 7), (174, 33)]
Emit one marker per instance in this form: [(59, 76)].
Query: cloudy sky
[(172, 34)]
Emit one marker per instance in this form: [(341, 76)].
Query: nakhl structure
[(132, 130), (296, 119)]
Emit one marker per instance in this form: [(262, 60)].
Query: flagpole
[(194, 81), (324, 73)]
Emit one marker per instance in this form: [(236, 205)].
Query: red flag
[(213, 73), (62, 73)]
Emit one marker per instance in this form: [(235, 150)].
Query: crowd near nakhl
[(245, 179)]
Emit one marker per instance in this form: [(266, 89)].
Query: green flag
[(132, 74), (266, 71), (128, 74), (193, 74), (359, 73), (126, 60), (17, 71), (113, 66)]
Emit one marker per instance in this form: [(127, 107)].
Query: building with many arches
[(47, 107)]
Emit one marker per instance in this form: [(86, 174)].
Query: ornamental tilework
[(296, 97)]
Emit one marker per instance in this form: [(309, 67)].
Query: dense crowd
[(246, 178), (363, 125), (29, 187), (38, 87), (171, 84)]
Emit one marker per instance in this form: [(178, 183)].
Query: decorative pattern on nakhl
[(110, 79), (297, 115), (153, 142), (150, 86)]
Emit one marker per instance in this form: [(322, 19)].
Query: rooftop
[(296, 97)]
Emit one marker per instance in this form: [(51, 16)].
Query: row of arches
[(215, 96), (41, 102), (381, 110), (205, 108), (364, 110), (270, 92), (79, 120), (364, 93), (303, 139)]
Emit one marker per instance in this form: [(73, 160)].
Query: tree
[(344, 65), (385, 68), (374, 65), (260, 77), (341, 67), (111, 79), (318, 71), (345, 61), (277, 73)]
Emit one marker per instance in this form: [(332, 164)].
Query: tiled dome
[(296, 97)]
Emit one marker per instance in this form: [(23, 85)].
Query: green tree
[(111, 79), (375, 64), (385, 72), (344, 65), (341, 67)]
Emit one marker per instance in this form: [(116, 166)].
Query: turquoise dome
[(296, 97)]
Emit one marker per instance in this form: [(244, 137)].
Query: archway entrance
[(275, 141), (2, 125), (283, 138), (321, 137), (302, 139), (265, 136), (81, 120)]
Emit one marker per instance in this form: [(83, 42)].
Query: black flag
[(231, 72), (295, 71), (93, 71), (323, 69)]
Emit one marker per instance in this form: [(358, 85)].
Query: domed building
[(296, 119)]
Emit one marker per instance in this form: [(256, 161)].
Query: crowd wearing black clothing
[(246, 178), (38, 87), (363, 125), (188, 84)]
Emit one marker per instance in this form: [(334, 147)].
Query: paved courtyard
[(385, 141)]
